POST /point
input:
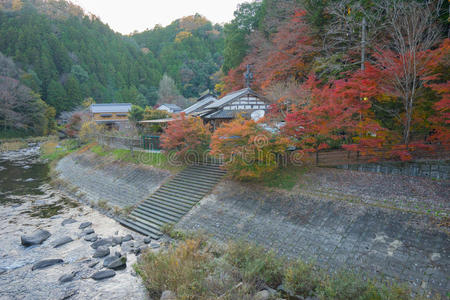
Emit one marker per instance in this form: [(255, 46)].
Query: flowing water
[(28, 203)]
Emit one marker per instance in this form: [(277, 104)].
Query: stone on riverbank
[(101, 242), (36, 238), (127, 238), (46, 263), (103, 274), (88, 231), (85, 225), (91, 237), (101, 251), (115, 263), (68, 221), (62, 241), (67, 277), (2, 271), (147, 240)]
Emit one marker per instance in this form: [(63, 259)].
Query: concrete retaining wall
[(430, 169)]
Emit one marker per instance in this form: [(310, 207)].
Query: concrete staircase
[(173, 199)]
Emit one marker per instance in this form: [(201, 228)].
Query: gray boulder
[(116, 240), (62, 241), (147, 240), (93, 264), (103, 274), (46, 263), (88, 231), (91, 237), (101, 242), (85, 224), (127, 238), (101, 251), (36, 238), (68, 221), (67, 277), (115, 263)]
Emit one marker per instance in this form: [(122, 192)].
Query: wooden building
[(112, 115), (242, 102)]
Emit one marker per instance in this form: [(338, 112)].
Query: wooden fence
[(342, 157)]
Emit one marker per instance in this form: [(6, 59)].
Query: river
[(29, 203)]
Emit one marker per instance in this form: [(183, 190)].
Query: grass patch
[(159, 160), (13, 145), (53, 150), (194, 269), (284, 178)]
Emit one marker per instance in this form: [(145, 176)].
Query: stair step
[(175, 193), (149, 218), (198, 178), (131, 225), (173, 201), (164, 217), (172, 204), (188, 186), (162, 195), (195, 182), (163, 211), (182, 191), (180, 211), (146, 225)]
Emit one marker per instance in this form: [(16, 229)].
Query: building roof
[(166, 120), (111, 107), (230, 97), (199, 105), (171, 106), (229, 114)]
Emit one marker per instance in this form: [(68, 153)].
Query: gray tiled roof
[(171, 105), (229, 97), (228, 114), (111, 107), (197, 106)]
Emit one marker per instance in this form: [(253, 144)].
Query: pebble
[(62, 241), (84, 225), (46, 263), (2, 271), (115, 263), (36, 238), (91, 265), (91, 237), (101, 242), (68, 221), (88, 231), (147, 240), (127, 238), (101, 251), (103, 274), (67, 277)]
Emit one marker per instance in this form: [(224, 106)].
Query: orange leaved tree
[(248, 149), (188, 137)]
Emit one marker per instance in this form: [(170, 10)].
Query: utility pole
[(363, 43)]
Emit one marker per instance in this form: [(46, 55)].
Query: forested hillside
[(189, 51), (68, 56), (354, 73)]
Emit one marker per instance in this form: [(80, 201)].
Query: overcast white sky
[(126, 16)]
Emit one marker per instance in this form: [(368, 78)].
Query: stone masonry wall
[(119, 184)]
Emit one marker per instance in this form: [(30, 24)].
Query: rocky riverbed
[(52, 247)]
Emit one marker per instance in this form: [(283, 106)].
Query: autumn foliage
[(188, 137), (249, 151)]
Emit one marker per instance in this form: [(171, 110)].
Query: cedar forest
[(359, 74)]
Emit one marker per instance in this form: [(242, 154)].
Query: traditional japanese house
[(112, 115), (243, 102)]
